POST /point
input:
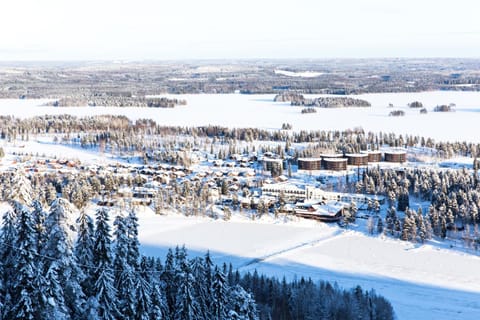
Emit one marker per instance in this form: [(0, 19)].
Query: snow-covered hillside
[(421, 281), (235, 110)]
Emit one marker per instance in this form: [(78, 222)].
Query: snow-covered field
[(236, 110), (305, 74), (421, 281), (43, 146)]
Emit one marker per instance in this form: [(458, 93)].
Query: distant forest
[(341, 77), (129, 136)]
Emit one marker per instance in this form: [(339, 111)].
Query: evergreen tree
[(208, 271), (124, 274), (84, 251), (60, 227), (405, 229), (8, 256), (168, 277), (186, 306), (380, 225), (201, 287), (22, 190), (443, 223), (422, 229), (403, 200), (133, 254), (219, 294), (55, 307), (39, 217), (243, 306), (143, 292), (104, 289), (23, 288), (158, 309)]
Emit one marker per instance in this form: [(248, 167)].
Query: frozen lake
[(236, 110)]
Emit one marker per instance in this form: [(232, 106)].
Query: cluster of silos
[(338, 161), (395, 156)]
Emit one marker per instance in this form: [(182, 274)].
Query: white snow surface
[(259, 111), (421, 281), (304, 74), (43, 146)]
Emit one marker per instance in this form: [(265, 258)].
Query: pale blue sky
[(188, 29)]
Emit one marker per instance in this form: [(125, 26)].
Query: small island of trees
[(397, 113), (445, 108), (415, 104), (309, 110), (126, 100), (297, 99)]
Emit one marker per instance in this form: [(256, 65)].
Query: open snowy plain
[(422, 281)]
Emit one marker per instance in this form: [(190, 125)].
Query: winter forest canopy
[(54, 266)]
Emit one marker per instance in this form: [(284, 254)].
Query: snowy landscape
[(415, 277), (262, 160)]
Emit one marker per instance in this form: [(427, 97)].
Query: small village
[(254, 183)]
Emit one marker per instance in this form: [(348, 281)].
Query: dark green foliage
[(304, 299)]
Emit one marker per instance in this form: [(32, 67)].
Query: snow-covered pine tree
[(8, 256), (104, 289), (143, 291), (220, 295), (60, 229), (39, 218), (121, 246), (133, 254), (84, 251), (22, 190), (208, 269), (168, 277), (124, 273), (242, 306), (186, 306), (180, 257), (158, 307), (23, 288), (202, 290), (55, 306)]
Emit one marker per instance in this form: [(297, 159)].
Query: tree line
[(119, 133), (454, 197)]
